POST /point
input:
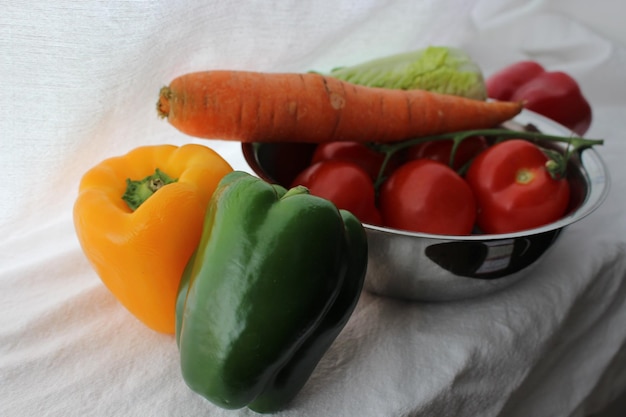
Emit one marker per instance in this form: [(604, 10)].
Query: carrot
[(290, 107)]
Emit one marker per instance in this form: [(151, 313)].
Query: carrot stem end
[(163, 104)]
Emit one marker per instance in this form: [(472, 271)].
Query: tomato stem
[(557, 167)]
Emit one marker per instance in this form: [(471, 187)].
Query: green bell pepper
[(274, 280)]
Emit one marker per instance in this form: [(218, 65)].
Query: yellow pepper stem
[(138, 191)]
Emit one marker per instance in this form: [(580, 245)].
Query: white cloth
[(80, 81)]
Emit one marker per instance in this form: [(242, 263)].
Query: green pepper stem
[(298, 189), (557, 168), (138, 191)]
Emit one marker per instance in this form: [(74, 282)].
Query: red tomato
[(355, 152), (346, 184), (514, 190), (428, 196), (439, 150)]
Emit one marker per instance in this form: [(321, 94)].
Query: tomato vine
[(557, 164)]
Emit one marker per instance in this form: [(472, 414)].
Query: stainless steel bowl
[(428, 267)]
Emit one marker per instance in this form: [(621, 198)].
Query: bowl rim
[(593, 167)]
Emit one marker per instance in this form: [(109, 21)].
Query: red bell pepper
[(553, 94)]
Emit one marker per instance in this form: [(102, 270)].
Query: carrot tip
[(163, 104)]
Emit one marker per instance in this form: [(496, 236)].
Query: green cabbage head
[(439, 69)]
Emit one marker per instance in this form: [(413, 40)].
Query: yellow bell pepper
[(139, 248)]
